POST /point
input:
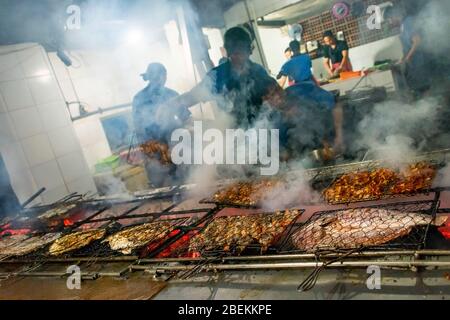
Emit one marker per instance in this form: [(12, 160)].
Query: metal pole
[(297, 265), (303, 256), (252, 19), (71, 260)]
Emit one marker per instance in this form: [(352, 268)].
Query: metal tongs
[(311, 280)]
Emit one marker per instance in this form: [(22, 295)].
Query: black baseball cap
[(154, 71)]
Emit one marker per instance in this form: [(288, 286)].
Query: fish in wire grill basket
[(354, 228), (29, 245), (125, 241), (75, 240), (248, 193), (230, 233), (381, 182)]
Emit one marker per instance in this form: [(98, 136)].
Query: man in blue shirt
[(298, 67), (320, 103), (146, 102), (145, 105)]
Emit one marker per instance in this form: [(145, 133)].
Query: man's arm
[(344, 60), (199, 93), (282, 81), (416, 41), (326, 64), (338, 118), (313, 78)]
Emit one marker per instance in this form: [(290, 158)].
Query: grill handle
[(34, 196)]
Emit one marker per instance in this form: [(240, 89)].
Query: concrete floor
[(337, 284)]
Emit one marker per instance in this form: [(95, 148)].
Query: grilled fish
[(157, 150), (134, 237), (356, 228), (58, 211), (416, 177), (30, 245), (239, 232), (7, 242), (75, 241), (359, 186), (247, 193)]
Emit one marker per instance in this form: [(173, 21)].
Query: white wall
[(37, 139), (274, 42), (365, 56), (237, 14), (216, 42)]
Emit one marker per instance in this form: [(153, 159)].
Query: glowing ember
[(68, 222), (14, 232), (155, 244), (180, 248), (445, 229)]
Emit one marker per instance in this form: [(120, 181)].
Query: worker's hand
[(401, 62)]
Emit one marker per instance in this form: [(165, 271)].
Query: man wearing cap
[(148, 99), (147, 127), (236, 84)]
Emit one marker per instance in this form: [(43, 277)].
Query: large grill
[(174, 253)]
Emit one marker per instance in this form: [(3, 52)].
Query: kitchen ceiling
[(301, 10), (43, 21)]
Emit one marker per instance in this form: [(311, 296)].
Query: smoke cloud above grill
[(398, 131)]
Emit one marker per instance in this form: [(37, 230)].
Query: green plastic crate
[(107, 164)]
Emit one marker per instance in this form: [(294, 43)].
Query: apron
[(347, 67)]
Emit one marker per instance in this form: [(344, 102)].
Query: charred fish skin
[(354, 228)]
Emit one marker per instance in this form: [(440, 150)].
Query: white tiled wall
[(37, 138)]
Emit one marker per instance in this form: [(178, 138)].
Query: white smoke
[(443, 177), (435, 25), (397, 131)]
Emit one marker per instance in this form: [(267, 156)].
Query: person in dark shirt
[(303, 126), (236, 84), (146, 102), (415, 60), (144, 107), (335, 52)]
